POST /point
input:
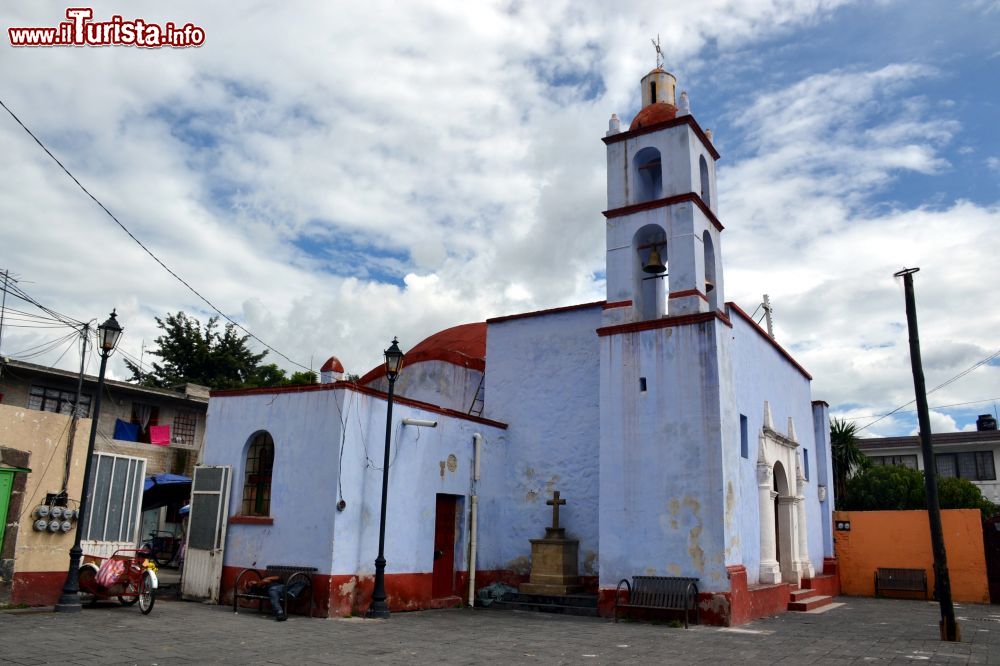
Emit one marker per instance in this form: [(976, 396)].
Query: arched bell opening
[(649, 247), (648, 171), (710, 277), (706, 188)]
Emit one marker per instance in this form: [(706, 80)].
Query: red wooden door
[(444, 547)]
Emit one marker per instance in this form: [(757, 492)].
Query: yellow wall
[(903, 539), (44, 435)]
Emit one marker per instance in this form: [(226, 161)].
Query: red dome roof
[(653, 114), (332, 364), (463, 345)]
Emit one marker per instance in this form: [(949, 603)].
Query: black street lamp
[(379, 607), (108, 334)]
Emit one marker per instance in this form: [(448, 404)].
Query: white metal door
[(206, 535)]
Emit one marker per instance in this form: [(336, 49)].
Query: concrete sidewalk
[(860, 630)]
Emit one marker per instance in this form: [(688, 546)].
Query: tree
[(208, 356), (889, 487), (847, 457)]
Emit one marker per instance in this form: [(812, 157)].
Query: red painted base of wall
[(342, 595), (829, 582), (37, 588)]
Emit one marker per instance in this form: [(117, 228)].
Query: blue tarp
[(163, 489)]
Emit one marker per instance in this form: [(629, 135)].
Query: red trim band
[(540, 313), (251, 520), (665, 322), (673, 122), (616, 304), (688, 292), (666, 201)]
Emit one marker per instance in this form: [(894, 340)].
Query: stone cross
[(555, 503)]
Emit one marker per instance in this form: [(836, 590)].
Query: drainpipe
[(477, 443)]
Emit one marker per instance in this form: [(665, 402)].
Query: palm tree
[(847, 457)]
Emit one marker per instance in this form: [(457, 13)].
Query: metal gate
[(206, 536), (991, 544)]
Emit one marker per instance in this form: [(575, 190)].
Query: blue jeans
[(275, 591)]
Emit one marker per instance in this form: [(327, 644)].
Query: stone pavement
[(859, 631)]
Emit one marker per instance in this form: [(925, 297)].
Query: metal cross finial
[(555, 503), (659, 53)]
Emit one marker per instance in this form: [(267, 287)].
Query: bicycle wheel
[(130, 596), (147, 593)]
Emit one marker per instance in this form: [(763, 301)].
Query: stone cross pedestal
[(554, 559)]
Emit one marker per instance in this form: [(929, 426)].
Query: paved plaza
[(859, 631)]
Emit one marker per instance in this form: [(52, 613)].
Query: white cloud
[(456, 147)]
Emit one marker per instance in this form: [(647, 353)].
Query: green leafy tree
[(207, 355), (847, 456), (889, 487)]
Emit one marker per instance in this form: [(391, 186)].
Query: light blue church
[(683, 437)]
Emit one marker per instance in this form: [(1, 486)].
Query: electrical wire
[(939, 386), (954, 404), (141, 245)]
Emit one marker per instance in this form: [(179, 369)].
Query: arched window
[(706, 195), (648, 175), (257, 483)]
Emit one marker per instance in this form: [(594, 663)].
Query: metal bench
[(900, 580), (659, 593), (249, 585)]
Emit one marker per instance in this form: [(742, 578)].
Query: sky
[(331, 175)]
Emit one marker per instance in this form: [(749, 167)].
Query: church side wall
[(661, 464), (761, 373), (306, 431), (542, 378)]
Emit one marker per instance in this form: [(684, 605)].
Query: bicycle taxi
[(129, 574)]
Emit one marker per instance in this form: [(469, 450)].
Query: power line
[(140, 244), (939, 386), (954, 404)]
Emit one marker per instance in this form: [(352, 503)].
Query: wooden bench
[(249, 585), (900, 580), (660, 593)]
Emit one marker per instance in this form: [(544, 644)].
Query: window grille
[(47, 399), (257, 486), (185, 424), (971, 465)]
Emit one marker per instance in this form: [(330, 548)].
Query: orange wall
[(903, 539)]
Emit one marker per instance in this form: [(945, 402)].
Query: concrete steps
[(806, 600), (580, 605)]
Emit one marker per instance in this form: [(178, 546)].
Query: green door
[(6, 482)]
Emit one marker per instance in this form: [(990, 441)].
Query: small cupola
[(659, 101), (332, 371)]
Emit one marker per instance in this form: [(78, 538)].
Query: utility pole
[(84, 336), (3, 305), (942, 584)]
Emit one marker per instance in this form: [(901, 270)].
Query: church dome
[(653, 114), (463, 345), (332, 364)]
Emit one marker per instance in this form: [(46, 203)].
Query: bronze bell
[(709, 286), (654, 264)]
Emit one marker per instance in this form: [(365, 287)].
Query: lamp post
[(379, 608), (108, 334)]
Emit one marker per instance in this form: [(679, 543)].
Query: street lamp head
[(108, 334), (393, 360)]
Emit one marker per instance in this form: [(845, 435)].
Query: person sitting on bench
[(275, 588)]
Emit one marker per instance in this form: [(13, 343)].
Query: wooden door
[(991, 544), (444, 547)]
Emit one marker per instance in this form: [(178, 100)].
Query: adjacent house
[(967, 455), (142, 431)]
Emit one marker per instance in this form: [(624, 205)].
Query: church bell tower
[(663, 236), (664, 344)]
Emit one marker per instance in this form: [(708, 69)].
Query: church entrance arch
[(783, 543)]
